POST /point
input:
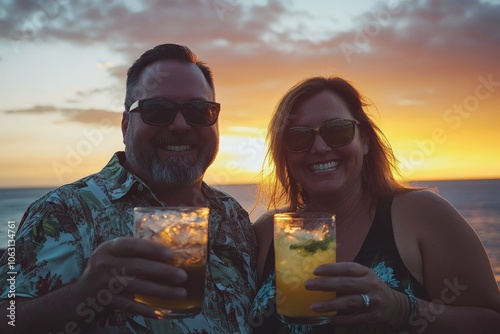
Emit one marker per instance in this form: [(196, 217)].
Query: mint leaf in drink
[(312, 246)]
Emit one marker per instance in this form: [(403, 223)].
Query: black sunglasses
[(163, 112), (336, 132)]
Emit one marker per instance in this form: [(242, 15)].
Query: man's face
[(176, 154)]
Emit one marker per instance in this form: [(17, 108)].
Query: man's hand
[(120, 268), (116, 271)]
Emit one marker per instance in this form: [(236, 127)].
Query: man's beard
[(176, 170)]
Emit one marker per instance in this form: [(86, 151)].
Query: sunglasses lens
[(162, 112), (334, 133), (299, 139), (158, 112), (337, 133), (201, 113)]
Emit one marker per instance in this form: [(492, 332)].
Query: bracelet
[(413, 307)]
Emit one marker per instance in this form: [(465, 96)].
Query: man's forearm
[(62, 310)]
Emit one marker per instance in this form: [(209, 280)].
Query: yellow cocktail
[(302, 242)]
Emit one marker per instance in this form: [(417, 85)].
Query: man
[(77, 265)]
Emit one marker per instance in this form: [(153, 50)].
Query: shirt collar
[(117, 180)]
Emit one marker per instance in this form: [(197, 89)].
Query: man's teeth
[(177, 148), (324, 167)]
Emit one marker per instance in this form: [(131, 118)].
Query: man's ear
[(125, 119)]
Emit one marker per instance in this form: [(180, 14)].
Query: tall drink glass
[(185, 231), (302, 241)]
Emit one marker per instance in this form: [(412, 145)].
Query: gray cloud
[(460, 27), (207, 23), (84, 116)]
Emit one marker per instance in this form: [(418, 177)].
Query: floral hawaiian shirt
[(59, 232)]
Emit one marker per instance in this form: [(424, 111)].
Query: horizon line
[(256, 183)]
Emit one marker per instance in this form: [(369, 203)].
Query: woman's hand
[(383, 306)]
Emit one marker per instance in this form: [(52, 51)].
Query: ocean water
[(477, 200)]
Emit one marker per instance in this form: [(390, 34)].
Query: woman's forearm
[(436, 317)]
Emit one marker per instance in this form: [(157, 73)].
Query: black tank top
[(378, 252)]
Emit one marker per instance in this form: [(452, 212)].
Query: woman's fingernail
[(317, 307), (318, 271), (310, 284)]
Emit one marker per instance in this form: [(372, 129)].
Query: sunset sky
[(430, 68)]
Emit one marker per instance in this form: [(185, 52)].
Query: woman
[(407, 261)]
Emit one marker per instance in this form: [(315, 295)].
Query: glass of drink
[(185, 231), (302, 242)]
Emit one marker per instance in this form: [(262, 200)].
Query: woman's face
[(323, 170)]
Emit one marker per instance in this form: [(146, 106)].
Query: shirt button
[(140, 187)]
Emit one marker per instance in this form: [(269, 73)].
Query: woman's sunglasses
[(163, 112), (337, 132)]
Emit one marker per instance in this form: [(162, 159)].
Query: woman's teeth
[(325, 167)]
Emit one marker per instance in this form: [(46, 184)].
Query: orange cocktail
[(302, 242)]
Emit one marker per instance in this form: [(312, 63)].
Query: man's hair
[(161, 52)]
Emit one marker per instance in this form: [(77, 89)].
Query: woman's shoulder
[(425, 208), (266, 218), (419, 199), (263, 226)]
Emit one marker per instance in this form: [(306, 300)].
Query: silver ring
[(366, 300)]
